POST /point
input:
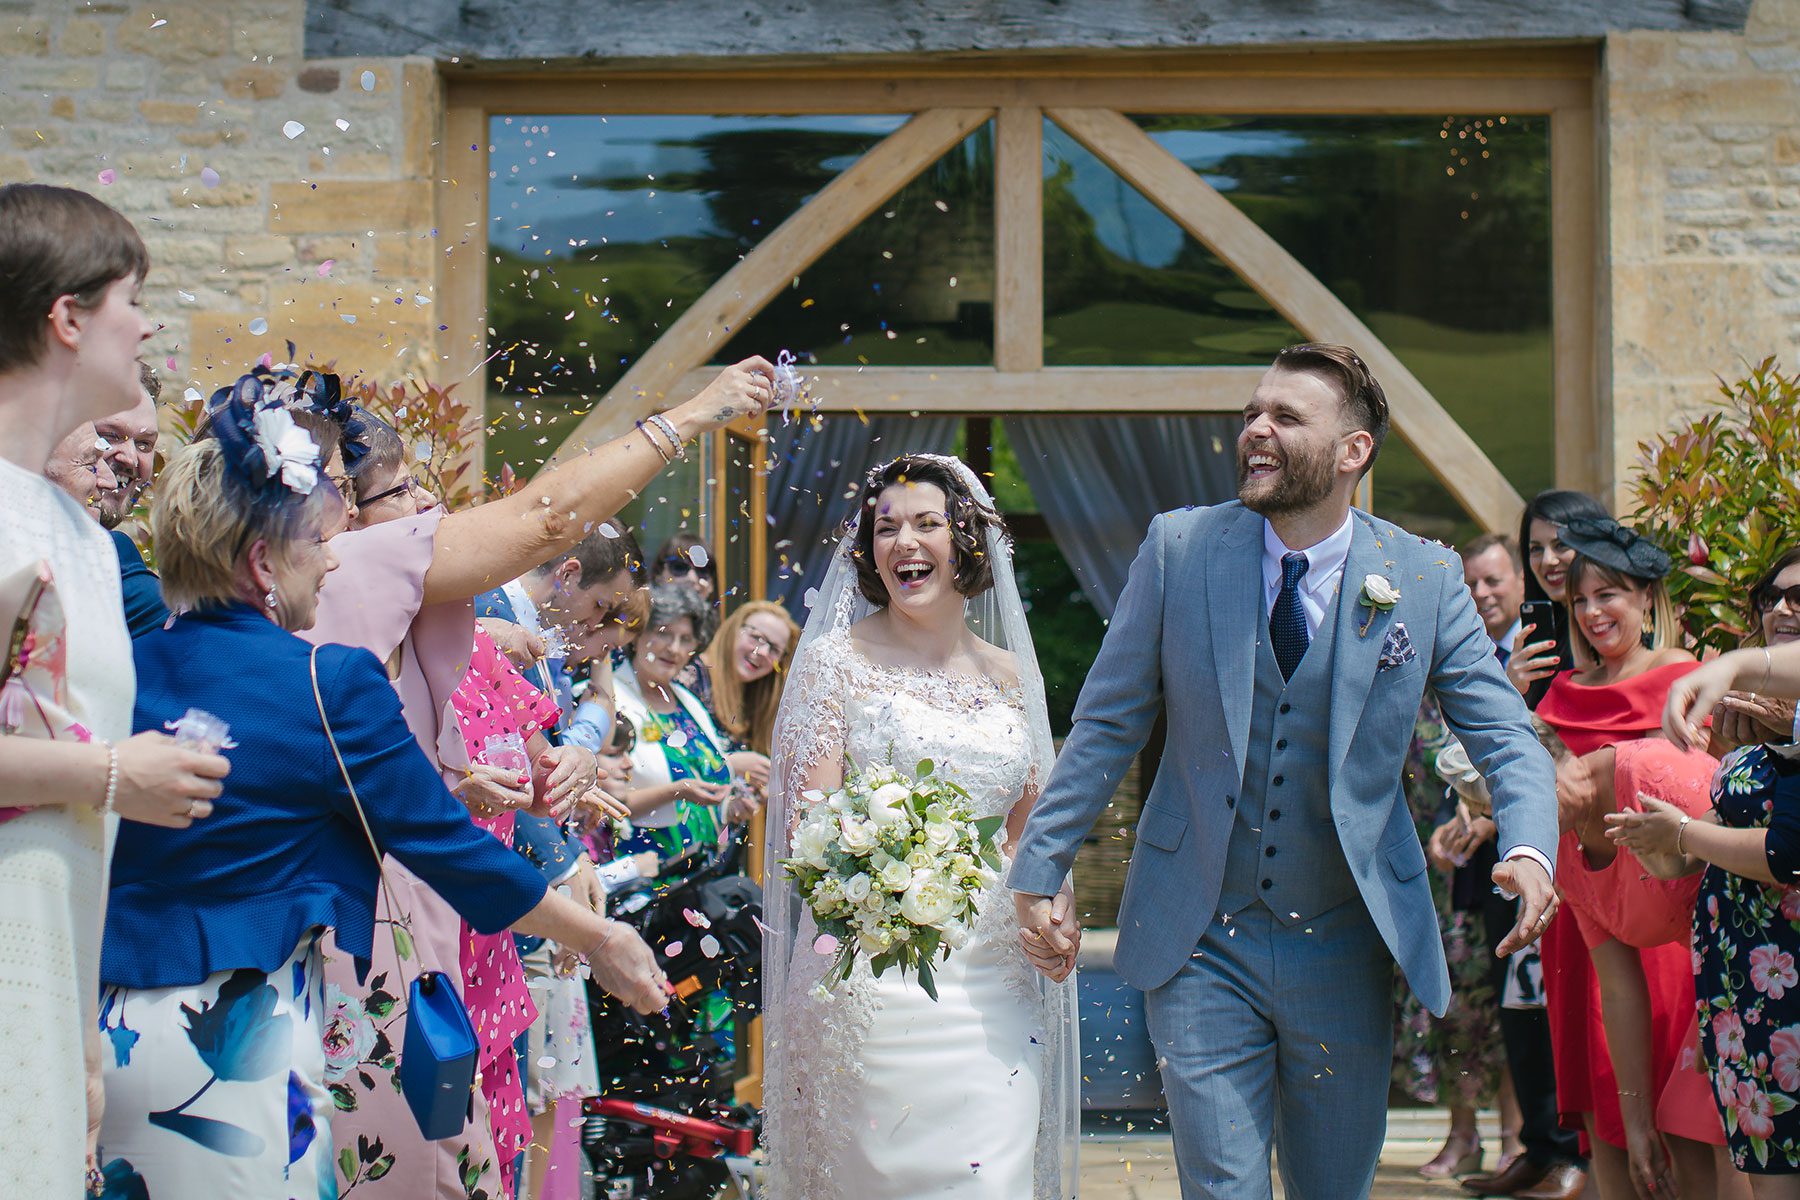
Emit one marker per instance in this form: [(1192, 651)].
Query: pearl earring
[(269, 599)]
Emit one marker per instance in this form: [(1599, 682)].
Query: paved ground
[(1140, 1166)]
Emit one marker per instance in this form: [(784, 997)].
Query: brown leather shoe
[(1565, 1181), (1517, 1176)]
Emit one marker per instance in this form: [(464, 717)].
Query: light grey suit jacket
[(1184, 637)]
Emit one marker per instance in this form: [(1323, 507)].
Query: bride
[(917, 649)]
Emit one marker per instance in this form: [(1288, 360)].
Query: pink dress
[(495, 699)]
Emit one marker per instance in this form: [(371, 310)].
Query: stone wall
[(280, 198), (1702, 148)]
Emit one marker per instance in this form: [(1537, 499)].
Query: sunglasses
[(1769, 597), (681, 566)]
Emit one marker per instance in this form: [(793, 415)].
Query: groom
[(1277, 874)]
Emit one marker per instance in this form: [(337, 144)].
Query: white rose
[(887, 804), (856, 835), (874, 941), (921, 859), (1379, 590), (940, 835), (838, 801), (896, 876), (928, 900), (962, 865), (856, 888), (811, 841), (956, 934)]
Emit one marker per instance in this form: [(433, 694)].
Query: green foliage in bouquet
[(1722, 494)]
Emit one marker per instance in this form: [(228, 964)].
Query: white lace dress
[(896, 1095), (52, 858)]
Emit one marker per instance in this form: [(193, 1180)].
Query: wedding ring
[(193, 809)]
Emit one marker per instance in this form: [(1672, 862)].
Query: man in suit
[(1277, 875)]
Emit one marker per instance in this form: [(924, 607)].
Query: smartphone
[(1542, 615)]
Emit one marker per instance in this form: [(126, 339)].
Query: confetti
[(258, 327), (292, 130), (697, 919), (192, 395), (671, 950), (108, 177), (709, 946), (209, 177), (342, 124), (368, 81), (825, 944), (159, 22), (697, 555), (325, 267), (186, 297)]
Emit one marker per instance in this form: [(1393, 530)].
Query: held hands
[(1455, 840), (487, 790), (161, 783), (698, 791), (1531, 661), (1049, 932), (1538, 901), (1654, 835), (1747, 718), (1694, 696)]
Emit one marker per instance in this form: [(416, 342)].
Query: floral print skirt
[(217, 1089)]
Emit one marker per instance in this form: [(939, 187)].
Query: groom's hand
[(1048, 932), (1526, 879)]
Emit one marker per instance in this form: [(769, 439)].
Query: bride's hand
[(1048, 932)]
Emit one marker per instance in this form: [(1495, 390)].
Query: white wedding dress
[(872, 1089)]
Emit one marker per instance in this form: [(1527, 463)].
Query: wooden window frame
[(1084, 94)]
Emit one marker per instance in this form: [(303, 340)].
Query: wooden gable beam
[(1297, 294), (652, 382)]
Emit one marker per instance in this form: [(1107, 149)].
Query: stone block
[(260, 252), (169, 112), (15, 168), (181, 32), (319, 80), (186, 253), (354, 166), (406, 259), (127, 76), (200, 139), (422, 112), (24, 33), (257, 82), (1687, 318), (344, 207), (347, 254), (81, 37), (63, 108), (50, 75), (229, 194)]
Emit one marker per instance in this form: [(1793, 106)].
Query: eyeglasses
[(409, 485), (1769, 597), (762, 643)]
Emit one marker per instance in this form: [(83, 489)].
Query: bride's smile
[(914, 552)]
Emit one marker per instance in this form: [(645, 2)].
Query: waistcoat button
[(1269, 853), (1267, 884)]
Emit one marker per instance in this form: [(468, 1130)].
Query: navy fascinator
[(266, 453)]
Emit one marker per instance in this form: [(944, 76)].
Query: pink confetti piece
[(325, 267), (170, 362), (671, 950), (108, 177), (697, 919), (209, 177), (825, 944)]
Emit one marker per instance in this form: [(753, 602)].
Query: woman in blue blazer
[(212, 986)]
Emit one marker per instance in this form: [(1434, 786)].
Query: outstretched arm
[(485, 546), (1118, 705)]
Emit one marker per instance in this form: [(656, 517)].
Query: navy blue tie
[(1287, 624)]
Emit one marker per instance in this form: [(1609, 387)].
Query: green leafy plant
[(440, 435), (1722, 493)]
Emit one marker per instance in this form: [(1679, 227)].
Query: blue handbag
[(438, 1051)]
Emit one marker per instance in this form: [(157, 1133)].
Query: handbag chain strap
[(361, 816)]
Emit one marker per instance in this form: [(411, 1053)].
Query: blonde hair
[(747, 710), (202, 524), (1664, 630)]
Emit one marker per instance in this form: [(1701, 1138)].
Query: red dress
[(1622, 902), (1589, 718)]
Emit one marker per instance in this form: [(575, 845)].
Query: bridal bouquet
[(892, 866)]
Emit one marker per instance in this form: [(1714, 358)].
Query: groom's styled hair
[(969, 523), (1365, 404)]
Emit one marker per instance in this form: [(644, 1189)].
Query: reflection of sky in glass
[(542, 191)]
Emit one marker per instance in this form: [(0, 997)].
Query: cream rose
[(1380, 592), (857, 887), (856, 835), (811, 841), (887, 804), (929, 900), (940, 835), (896, 876)]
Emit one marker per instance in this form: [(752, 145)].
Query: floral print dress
[(1746, 978)]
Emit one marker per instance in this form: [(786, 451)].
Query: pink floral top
[(494, 698)]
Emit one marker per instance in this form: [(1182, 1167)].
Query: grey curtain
[(816, 481), (1099, 480)]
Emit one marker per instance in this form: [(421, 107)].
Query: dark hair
[(679, 547), (1763, 583), (381, 452), (56, 242), (607, 549), (622, 737), (1365, 404), (670, 602), (150, 381), (1557, 507), (1487, 541), (969, 523)]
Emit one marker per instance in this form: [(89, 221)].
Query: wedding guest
[(683, 559), (1544, 652), (77, 466), (1745, 718), (130, 437), (70, 333), (1624, 643), (215, 996), (1674, 1140), (742, 672)]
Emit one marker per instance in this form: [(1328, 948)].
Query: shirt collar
[(1324, 560), (1511, 636)]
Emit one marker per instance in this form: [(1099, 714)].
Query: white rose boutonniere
[(1378, 595)]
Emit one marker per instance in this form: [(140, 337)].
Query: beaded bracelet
[(668, 428), (112, 777)]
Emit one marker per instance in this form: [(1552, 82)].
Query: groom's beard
[(1302, 482)]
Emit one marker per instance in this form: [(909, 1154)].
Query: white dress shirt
[(1324, 569)]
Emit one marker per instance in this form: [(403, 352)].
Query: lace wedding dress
[(872, 1089)]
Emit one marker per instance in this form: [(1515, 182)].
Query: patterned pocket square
[(1397, 650)]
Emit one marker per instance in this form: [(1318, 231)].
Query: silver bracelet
[(1768, 670), (112, 777), (1680, 830), (668, 427)]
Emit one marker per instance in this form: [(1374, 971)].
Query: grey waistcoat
[(1284, 850)]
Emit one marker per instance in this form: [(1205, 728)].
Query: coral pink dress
[(1588, 718), (1623, 902), (492, 699)]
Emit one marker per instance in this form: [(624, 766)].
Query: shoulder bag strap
[(356, 802)]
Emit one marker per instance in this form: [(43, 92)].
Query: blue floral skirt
[(217, 1089)]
